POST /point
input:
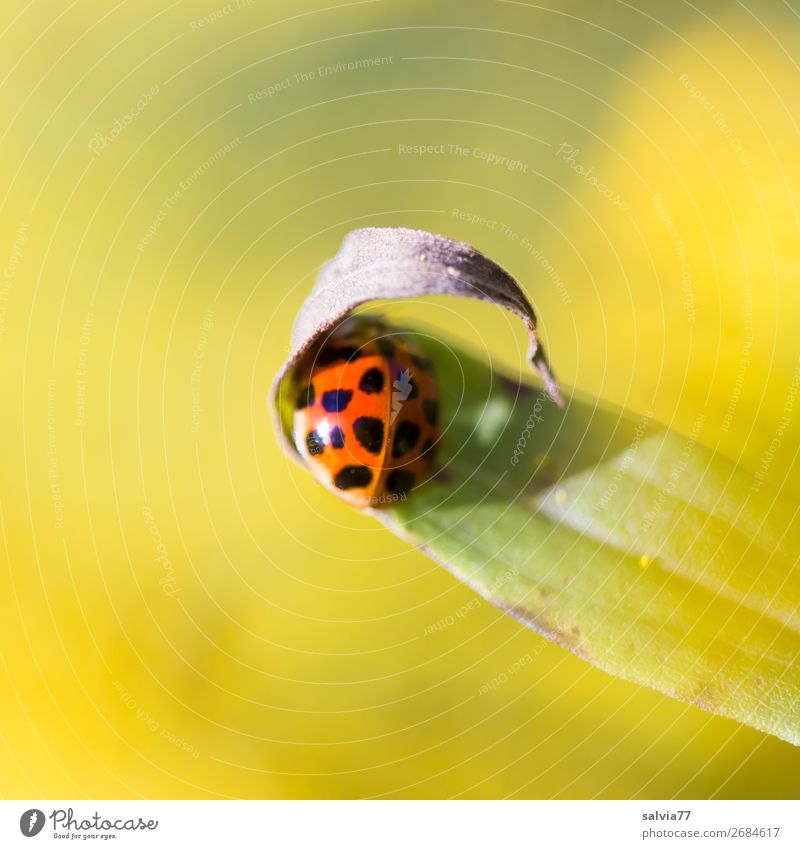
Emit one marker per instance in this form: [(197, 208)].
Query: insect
[(366, 416)]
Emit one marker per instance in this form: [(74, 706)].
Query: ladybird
[(366, 417)]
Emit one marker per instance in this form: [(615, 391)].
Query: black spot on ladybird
[(414, 393), (431, 410), (369, 432), (305, 397), (349, 477), (332, 353), (399, 481), (337, 437), (314, 443), (385, 347), (336, 400), (405, 438), (371, 381)]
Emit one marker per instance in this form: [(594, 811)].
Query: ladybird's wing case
[(342, 433), (413, 432)]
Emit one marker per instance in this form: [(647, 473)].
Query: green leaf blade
[(638, 549)]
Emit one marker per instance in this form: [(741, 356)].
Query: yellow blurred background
[(186, 614)]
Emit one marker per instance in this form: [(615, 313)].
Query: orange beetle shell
[(366, 417)]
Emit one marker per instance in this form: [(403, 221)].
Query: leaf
[(639, 550)]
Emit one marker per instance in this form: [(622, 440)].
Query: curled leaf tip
[(389, 263)]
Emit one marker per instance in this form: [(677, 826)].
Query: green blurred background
[(185, 613)]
